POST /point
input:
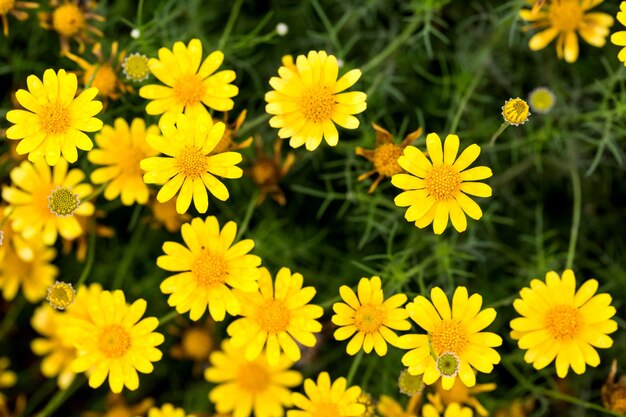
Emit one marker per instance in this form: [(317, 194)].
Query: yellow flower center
[(264, 172), (136, 67), (67, 19), (449, 336), (197, 343), (54, 119), (566, 15), (410, 384), (191, 163), (6, 6), (515, 111), (386, 159), (326, 409), (63, 202), (61, 295), (564, 322), (542, 100), (443, 182), (273, 316), (210, 269), (368, 318), (129, 163), (318, 104), (104, 79), (189, 89), (114, 341), (253, 378)]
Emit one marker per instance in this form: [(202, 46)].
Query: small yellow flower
[(168, 410), (13, 7), (559, 322), (7, 378), (136, 68), (196, 342), (190, 83), (619, 38), (369, 317), (541, 100), (189, 168), (116, 406), (614, 394), (566, 18), (276, 317), (165, 215), (327, 399), (515, 111), (61, 295), (388, 407), (266, 172), (385, 155), (453, 410), (232, 129), (208, 268), (54, 121), (368, 402), (460, 394), (308, 100), (120, 149), (247, 386), (437, 191), (70, 19), (410, 384), (454, 331)]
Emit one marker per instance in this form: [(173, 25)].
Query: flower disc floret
[(63, 202), (61, 295), (135, 67), (515, 111)]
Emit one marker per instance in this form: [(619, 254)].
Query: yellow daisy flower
[(564, 19), (250, 386), (437, 190), (327, 399), (168, 410), (208, 268), (189, 85), (367, 400), (308, 100), (135, 67), (165, 215), (410, 384), (47, 200), (61, 295), (70, 19), (619, 38), (541, 100), (188, 168), (460, 394), (276, 317), (455, 343), (369, 317), (13, 7), (388, 407), (196, 342), (7, 378), (453, 410), (121, 149), (232, 129), (54, 121), (515, 111), (113, 341), (559, 322)]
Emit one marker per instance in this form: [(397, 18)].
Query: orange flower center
[(6, 6), (449, 336), (67, 19), (564, 322), (264, 172), (273, 316), (54, 119), (443, 182), (317, 104), (104, 79), (210, 269), (197, 343), (386, 159), (566, 15), (114, 341), (253, 378), (192, 163), (188, 89), (368, 318)]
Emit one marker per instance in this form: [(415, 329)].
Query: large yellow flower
[(122, 148), (44, 200), (276, 316), (619, 38), (114, 341), (327, 399), (250, 386), (189, 86), (455, 343), (563, 19), (370, 316), (208, 268), (559, 322), (54, 121), (308, 100), (437, 190), (188, 165)]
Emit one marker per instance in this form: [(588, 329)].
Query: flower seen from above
[(15, 8), (436, 190), (369, 319), (120, 150), (455, 332), (563, 20), (328, 399), (54, 121), (619, 38), (114, 341), (541, 100), (308, 100), (61, 295), (135, 67), (70, 19), (410, 384), (515, 111), (276, 317), (188, 167), (250, 387), (190, 83), (559, 322), (208, 268)]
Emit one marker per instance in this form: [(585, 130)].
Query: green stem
[(397, 42), (327, 25), (12, 314), (501, 129), (234, 12), (168, 317), (129, 254), (38, 396), (355, 365), (95, 194), (60, 397), (465, 99), (139, 13), (243, 226), (576, 188), (91, 252)]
